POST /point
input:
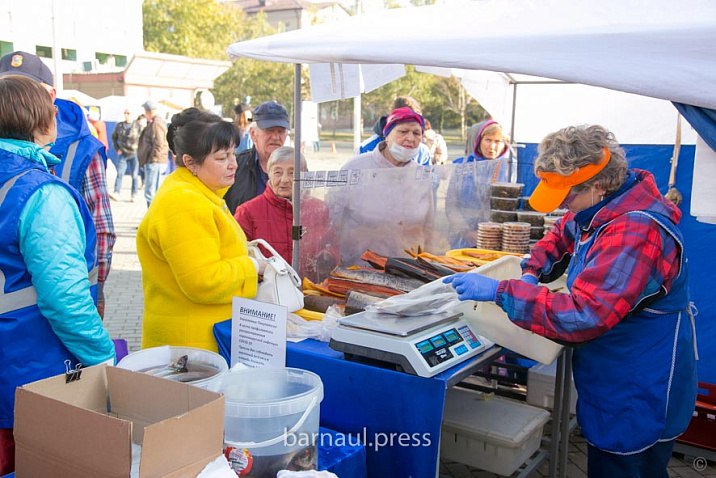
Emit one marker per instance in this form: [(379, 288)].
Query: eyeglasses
[(56, 109)]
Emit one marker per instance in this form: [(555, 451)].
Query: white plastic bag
[(432, 298), (300, 328), (305, 474)]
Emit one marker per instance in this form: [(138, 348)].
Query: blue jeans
[(127, 162), (650, 463), (152, 175)]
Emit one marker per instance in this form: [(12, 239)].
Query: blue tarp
[(700, 238)]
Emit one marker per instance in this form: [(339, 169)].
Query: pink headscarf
[(402, 115)]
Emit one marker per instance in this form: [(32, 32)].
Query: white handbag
[(281, 284)]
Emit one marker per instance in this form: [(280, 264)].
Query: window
[(6, 47), (69, 54), (102, 57), (107, 58), (43, 51)]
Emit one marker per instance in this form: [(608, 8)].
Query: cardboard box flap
[(166, 446), (50, 428), (89, 392), (161, 398)]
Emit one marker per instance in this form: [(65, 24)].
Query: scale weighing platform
[(422, 345)]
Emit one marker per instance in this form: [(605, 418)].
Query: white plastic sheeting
[(658, 48)]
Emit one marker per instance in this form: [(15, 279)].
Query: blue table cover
[(341, 454), (398, 415)]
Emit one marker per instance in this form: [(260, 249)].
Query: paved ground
[(123, 314)]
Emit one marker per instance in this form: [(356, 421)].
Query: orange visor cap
[(553, 188)]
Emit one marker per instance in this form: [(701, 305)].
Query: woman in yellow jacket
[(193, 253)]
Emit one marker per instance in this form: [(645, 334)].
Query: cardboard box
[(86, 428)]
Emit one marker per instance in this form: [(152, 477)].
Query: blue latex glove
[(530, 279), (473, 286)]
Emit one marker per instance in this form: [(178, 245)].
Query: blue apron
[(637, 382)]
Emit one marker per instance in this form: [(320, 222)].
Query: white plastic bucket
[(271, 420), (155, 357)]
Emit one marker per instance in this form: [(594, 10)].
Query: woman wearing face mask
[(627, 310), (389, 208)]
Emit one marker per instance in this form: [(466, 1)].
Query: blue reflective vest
[(75, 146), (637, 382), (31, 350)]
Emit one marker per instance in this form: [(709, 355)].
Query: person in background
[(242, 119), (48, 268), (466, 202), (627, 311), (391, 209), (141, 122), (83, 159), (270, 217), (436, 144), (423, 156), (125, 139), (152, 150), (193, 254), (269, 131), (100, 126), (490, 143)]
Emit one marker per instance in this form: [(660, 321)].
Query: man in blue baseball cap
[(83, 157), (268, 133)]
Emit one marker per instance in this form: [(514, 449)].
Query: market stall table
[(398, 415)]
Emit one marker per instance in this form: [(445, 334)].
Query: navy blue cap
[(271, 114), (26, 64)]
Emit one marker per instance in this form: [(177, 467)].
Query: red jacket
[(270, 217)]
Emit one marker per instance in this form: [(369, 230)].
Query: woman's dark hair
[(25, 108), (199, 139), (183, 118)]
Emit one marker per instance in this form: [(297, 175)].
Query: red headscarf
[(402, 115)]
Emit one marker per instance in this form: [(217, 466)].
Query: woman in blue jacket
[(468, 196), (48, 268)]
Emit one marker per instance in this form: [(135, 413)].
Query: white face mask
[(403, 154)]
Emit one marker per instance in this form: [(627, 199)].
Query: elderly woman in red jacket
[(270, 217)]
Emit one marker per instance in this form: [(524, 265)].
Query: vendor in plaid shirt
[(627, 313)]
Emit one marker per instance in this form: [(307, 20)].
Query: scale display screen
[(439, 348), (424, 347), (452, 336), (438, 341)]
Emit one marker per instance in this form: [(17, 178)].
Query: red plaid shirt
[(632, 259), (94, 192)]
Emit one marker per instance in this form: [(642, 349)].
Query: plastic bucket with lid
[(204, 368), (271, 420)]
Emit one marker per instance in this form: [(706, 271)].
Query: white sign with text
[(258, 333)]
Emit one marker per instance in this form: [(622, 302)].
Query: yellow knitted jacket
[(194, 259)]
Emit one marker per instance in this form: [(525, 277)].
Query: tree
[(204, 29), (195, 28)]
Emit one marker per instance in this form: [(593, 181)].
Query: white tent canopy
[(657, 48)]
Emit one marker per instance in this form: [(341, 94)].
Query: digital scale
[(422, 345)]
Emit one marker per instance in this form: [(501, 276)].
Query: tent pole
[(296, 229), (513, 159)]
